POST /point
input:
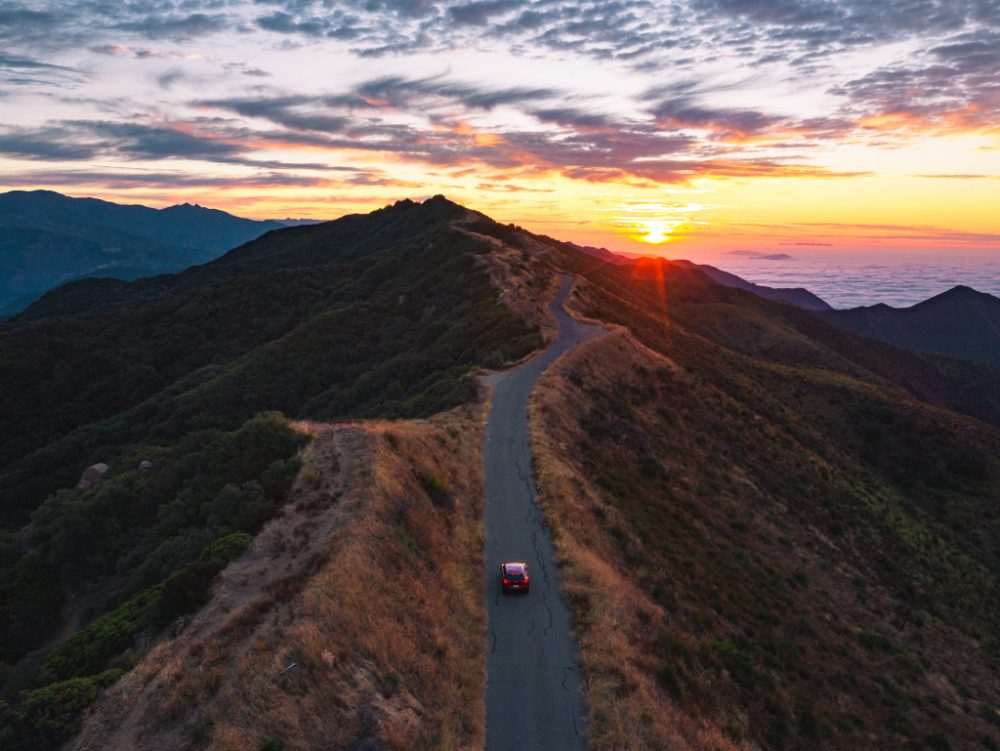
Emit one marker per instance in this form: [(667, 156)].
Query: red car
[(514, 576)]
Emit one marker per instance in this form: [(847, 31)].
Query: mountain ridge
[(960, 322), (50, 238)]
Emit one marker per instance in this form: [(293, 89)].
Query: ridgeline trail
[(534, 699)]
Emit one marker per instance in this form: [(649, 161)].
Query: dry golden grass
[(369, 581), (716, 605), (615, 619), (525, 283)]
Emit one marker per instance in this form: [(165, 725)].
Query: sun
[(655, 223), (656, 231)]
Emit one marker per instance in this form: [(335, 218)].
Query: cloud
[(174, 26), (169, 78), (125, 179), (24, 24), (7, 61), (948, 87), (480, 13), (685, 113), (110, 49), (572, 117), (76, 140), (397, 91), (284, 23), (331, 113), (916, 66), (907, 232), (763, 30), (287, 111), (25, 71), (960, 176), (47, 142)]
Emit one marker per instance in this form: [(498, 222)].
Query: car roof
[(522, 564)]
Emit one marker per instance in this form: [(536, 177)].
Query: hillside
[(368, 584), (49, 239), (960, 322), (773, 533), (173, 383), (767, 541)]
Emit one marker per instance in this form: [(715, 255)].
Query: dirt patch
[(354, 617)]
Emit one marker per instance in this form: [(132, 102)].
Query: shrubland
[(769, 539), (382, 315)]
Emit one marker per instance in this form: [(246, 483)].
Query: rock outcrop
[(92, 475)]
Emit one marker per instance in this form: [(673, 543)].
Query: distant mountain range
[(47, 239), (797, 296), (960, 322)]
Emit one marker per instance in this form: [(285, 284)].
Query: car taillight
[(506, 581)]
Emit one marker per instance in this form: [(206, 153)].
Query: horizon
[(827, 128), (848, 279)]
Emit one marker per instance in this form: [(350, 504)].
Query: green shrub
[(51, 715), (226, 549), (89, 649)]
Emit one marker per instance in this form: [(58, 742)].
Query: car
[(514, 577)]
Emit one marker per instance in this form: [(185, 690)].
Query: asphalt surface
[(534, 698)]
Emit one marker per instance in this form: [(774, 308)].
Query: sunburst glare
[(657, 223)]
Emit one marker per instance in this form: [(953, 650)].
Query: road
[(534, 698)]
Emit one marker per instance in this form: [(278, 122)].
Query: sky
[(684, 129)]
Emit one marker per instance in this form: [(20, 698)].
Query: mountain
[(173, 382), (960, 322), (772, 533), (797, 296), (47, 238), (602, 253)]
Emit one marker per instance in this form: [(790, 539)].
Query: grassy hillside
[(381, 315), (376, 315), (369, 584), (768, 540)]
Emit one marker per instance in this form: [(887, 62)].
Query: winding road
[(533, 681)]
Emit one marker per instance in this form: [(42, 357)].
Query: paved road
[(533, 685)]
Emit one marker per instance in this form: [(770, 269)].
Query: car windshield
[(515, 569)]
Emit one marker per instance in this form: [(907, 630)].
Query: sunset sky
[(682, 128)]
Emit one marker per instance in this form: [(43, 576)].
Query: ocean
[(849, 282)]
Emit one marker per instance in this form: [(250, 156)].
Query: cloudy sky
[(683, 128)]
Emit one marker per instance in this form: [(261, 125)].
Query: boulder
[(92, 475), (145, 465)]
